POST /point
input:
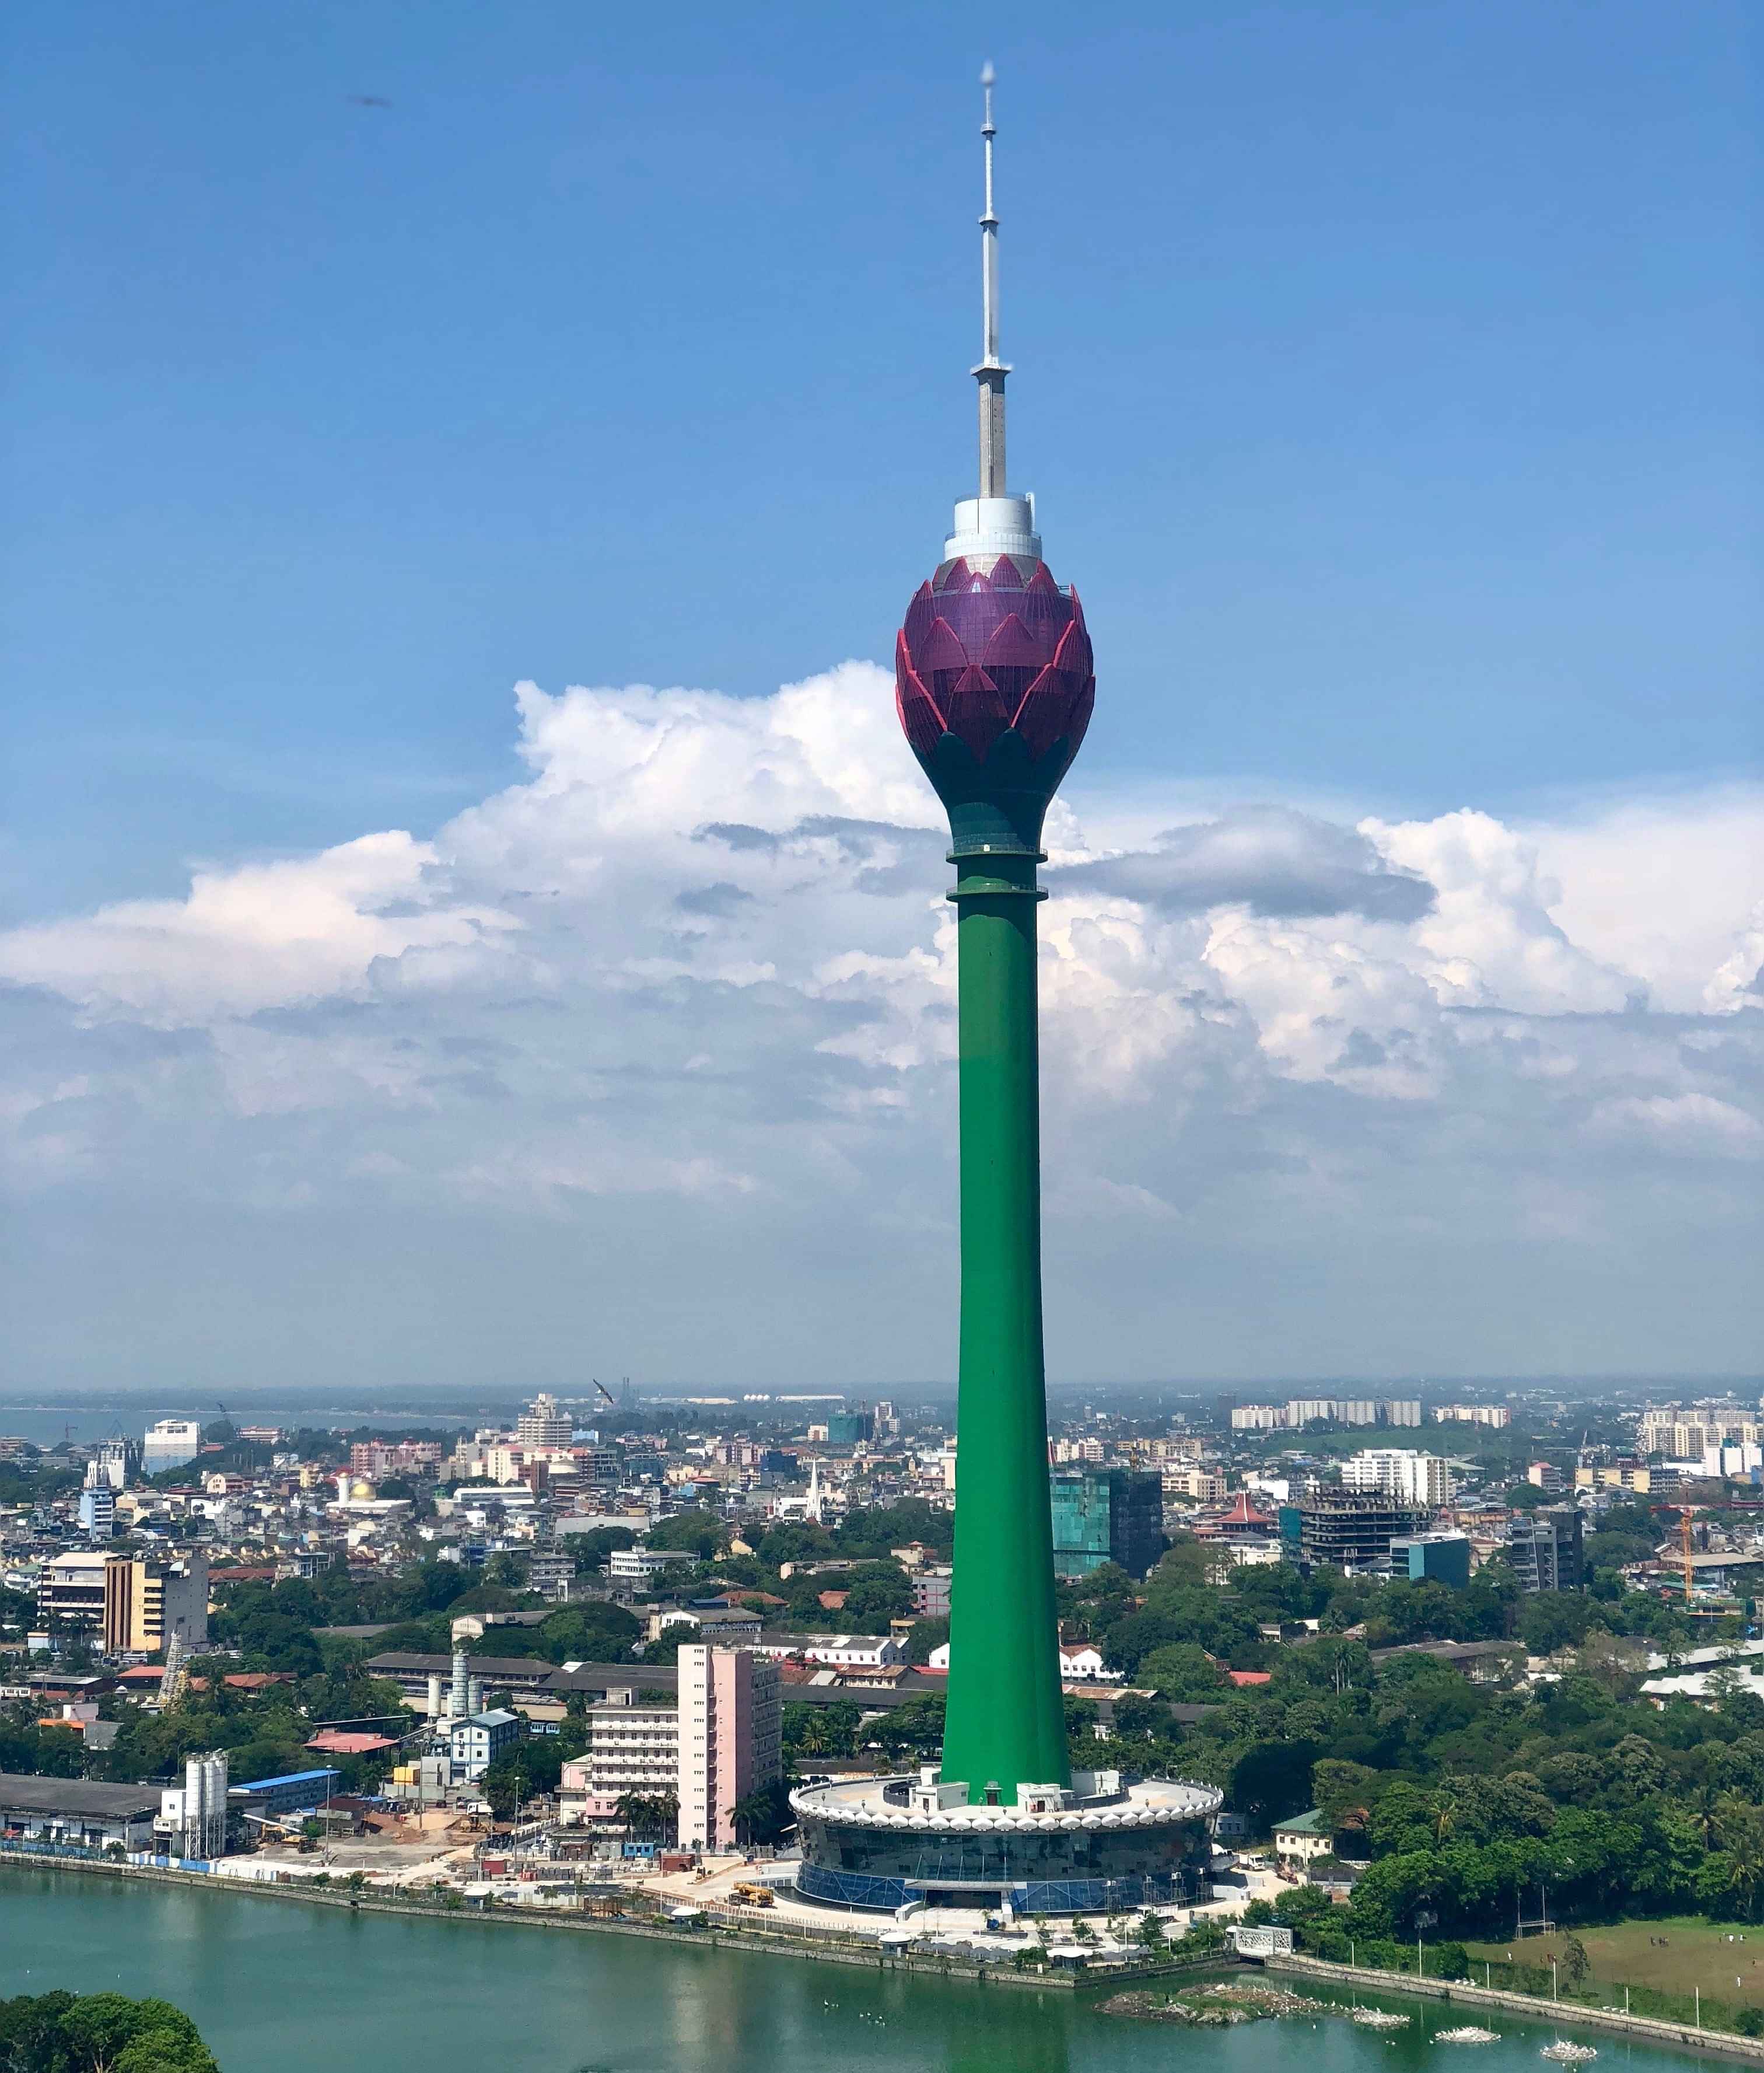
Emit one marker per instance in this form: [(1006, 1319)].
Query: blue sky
[(1387, 377)]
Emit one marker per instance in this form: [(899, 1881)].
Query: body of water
[(283, 1987)]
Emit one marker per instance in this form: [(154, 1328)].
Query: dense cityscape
[(1428, 1653)]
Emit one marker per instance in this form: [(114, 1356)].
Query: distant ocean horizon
[(84, 1415)]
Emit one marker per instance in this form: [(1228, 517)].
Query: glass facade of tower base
[(1027, 1896)]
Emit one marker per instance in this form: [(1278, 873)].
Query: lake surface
[(283, 1987)]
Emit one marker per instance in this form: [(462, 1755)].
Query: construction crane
[(1685, 1513)]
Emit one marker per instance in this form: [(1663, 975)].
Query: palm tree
[(646, 1814), (1740, 1826), (758, 1810)]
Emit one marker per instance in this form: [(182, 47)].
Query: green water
[(280, 1986)]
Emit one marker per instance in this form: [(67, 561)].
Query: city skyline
[(1400, 994)]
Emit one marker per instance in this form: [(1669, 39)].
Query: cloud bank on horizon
[(645, 1064)]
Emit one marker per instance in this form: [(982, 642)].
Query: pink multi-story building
[(731, 1730)]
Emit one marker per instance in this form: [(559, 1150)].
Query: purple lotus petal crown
[(985, 650)]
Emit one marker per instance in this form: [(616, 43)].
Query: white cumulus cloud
[(659, 1042)]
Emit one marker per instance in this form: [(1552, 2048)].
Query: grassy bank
[(1667, 1968)]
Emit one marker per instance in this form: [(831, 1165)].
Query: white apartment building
[(1686, 1434), (1403, 1473), (643, 1565), (1298, 1411), (1258, 1418), (169, 1444), (631, 1749), (731, 1730), (545, 1424), (1495, 1416)]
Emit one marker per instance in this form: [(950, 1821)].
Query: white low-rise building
[(838, 1651)]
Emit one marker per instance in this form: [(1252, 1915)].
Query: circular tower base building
[(1101, 1846)]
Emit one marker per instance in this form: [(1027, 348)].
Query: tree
[(1139, 1720), (762, 1815), (1182, 1672), (649, 1814), (812, 1731), (62, 2032), (926, 1635), (913, 1729), (700, 1533), (875, 1593), (1741, 1827)]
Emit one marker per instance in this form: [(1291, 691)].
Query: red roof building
[(339, 1741)]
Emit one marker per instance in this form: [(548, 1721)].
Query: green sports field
[(1672, 1957)]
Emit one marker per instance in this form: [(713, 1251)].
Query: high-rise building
[(169, 1444), (1107, 1515), (1544, 1547), (70, 1594), (730, 1739), (97, 1511), (1352, 1530), (544, 1423), (114, 1464), (1400, 1472), (994, 686), (127, 1606)]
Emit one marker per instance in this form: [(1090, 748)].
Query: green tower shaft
[(995, 683), (1006, 1721)]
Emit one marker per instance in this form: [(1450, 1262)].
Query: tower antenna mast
[(991, 370)]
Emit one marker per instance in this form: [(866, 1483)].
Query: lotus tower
[(995, 686)]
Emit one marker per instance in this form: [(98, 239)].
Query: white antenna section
[(995, 522), (991, 371)]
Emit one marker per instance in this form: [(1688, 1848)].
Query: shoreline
[(1657, 2030), (838, 1949)]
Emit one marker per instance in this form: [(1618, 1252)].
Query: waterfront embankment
[(844, 1949), (279, 1989), (1564, 2014)]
